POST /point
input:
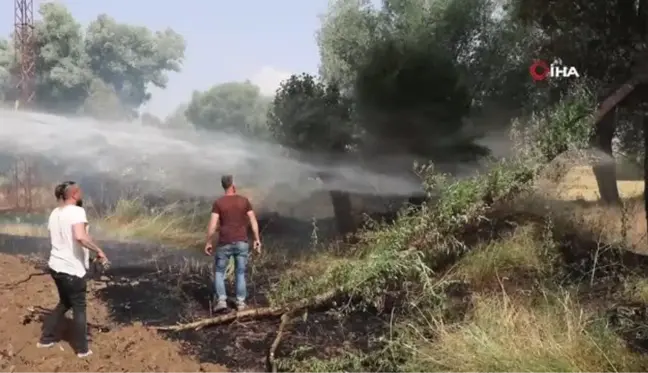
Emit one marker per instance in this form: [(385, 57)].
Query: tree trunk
[(645, 163), (605, 167), (342, 207), (343, 211)]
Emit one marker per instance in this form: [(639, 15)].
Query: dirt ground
[(22, 307)]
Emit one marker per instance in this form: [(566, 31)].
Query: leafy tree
[(131, 58), (418, 106), (406, 64), (61, 64), (105, 71), (347, 32), (230, 107), (607, 41), (6, 58), (489, 48), (313, 117)]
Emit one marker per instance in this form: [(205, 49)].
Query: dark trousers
[(72, 294)]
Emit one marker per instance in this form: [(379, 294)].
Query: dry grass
[(131, 220), (579, 184), (24, 230), (572, 200), (523, 253), (554, 334), (636, 290), (542, 330)]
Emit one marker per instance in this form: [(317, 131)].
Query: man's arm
[(254, 224), (81, 235), (212, 227)]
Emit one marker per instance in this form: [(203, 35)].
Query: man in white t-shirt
[(68, 264)]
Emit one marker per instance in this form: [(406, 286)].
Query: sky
[(261, 40)]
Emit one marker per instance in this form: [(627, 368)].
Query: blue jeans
[(240, 251)]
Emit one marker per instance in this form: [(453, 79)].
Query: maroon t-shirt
[(233, 219)]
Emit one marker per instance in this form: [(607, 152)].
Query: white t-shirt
[(67, 255)]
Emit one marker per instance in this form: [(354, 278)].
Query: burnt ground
[(138, 292), (177, 296)]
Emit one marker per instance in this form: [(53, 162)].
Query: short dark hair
[(59, 191), (227, 181)]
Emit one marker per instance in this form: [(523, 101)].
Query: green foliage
[(310, 115), (130, 58), (408, 249), (484, 41), (347, 31), (62, 56), (6, 57), (419, 105), (105, 71), (600, 38), (406, 64), (399, 260), (567, 125), (230, 107), (604, 40)]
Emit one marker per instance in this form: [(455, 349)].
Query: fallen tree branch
[(254, 313), (272, 365)]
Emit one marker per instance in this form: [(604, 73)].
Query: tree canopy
[(230, 107), (415, 77), (107, 68)]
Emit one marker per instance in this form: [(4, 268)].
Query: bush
[(406, 251), (565, 126)]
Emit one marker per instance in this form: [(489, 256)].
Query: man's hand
[(257, 246), (209, 248), (103, 259)]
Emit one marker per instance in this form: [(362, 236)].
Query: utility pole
[(25, 46)]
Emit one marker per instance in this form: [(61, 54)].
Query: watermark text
[(542, 70)]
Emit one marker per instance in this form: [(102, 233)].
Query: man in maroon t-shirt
[(232, 213)]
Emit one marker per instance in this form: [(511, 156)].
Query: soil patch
[(117, 347)]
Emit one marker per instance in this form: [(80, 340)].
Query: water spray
[(181, 160)]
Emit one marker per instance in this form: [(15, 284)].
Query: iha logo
[(541, 70)]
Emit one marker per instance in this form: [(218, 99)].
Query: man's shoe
[(45, 345), (220, 306), (240, 305), (83, 355)]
